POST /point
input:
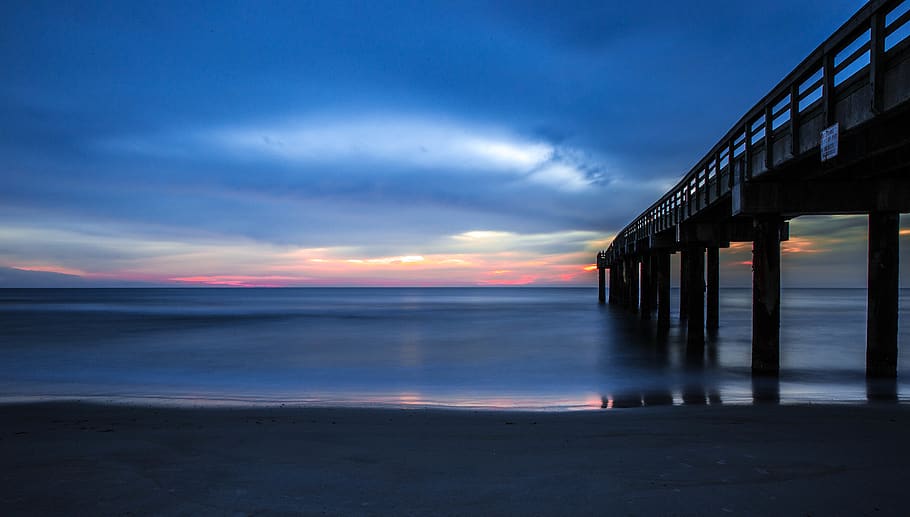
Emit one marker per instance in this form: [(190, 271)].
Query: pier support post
[(615, 284), (611, 297), (882, 307), (663, 290), (633, 284), (652, 283), (601, 285), (712, 317), (683, 284), (621, 283), (646, 280), (766, 295), (695, 284), (624, 278)]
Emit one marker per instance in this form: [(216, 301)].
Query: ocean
[(502, 348)]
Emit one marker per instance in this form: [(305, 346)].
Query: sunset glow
[(476, 257), (801, 245), (385, 160)]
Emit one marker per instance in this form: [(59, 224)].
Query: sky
[(377, 143)]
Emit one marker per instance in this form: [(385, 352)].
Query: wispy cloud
[(428, 142)]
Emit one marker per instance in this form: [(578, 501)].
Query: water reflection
[(765, 389), (669, 369), (881, 390), (545, 349)]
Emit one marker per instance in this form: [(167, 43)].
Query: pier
[(832, 138)]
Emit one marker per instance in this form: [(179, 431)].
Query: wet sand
[(72, 458)]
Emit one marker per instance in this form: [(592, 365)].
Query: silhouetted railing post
[(876, 61), (766, 295), (882, 308), (794, 120)]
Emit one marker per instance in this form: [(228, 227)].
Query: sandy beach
[(86, 459)]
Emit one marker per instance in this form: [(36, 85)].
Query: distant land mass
[(23, 278)]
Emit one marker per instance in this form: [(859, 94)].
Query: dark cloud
[(10, 277), (18, 278)]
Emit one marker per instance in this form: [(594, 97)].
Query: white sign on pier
[(829, 142)]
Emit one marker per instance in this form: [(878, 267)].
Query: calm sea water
[(452, 347)]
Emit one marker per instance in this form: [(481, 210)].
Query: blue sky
[(373, 143)]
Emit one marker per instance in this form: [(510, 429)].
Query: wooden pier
[(832, 138)]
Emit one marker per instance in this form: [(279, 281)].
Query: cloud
[(408, 259), (490, 241), (381, 142)]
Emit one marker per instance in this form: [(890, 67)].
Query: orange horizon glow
[(403, 271), (235, 280), (801, 245)]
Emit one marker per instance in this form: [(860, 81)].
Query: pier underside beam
[(766, 296), (633, 284), (882, 307), (821, 197), (712, 317), (601, 285)]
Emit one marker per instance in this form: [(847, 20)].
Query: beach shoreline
[(66, 458)]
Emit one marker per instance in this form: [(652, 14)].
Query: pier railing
[(841, 82)]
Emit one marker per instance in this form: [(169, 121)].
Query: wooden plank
[(895, 25), (849, 60), (812, 87)]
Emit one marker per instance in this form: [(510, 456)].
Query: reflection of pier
[(832, 138), (689, 379)]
